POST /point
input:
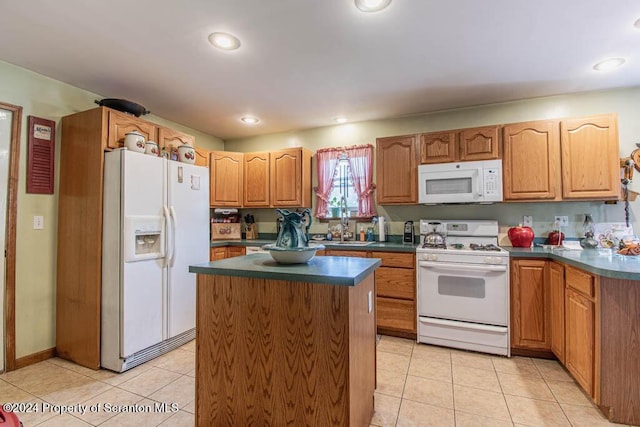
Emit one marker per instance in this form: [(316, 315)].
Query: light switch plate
[(528, 220), (38, 222), (562, 221)]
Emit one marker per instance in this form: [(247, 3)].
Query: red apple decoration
[(520, 236), (556, 237)]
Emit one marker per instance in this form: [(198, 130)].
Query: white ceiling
[(304, 62)]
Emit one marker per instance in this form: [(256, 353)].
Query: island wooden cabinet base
[(274, 352)]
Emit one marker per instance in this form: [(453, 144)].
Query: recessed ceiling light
[(250, 120), (372, 5), (224, 41), (609, 64), (340, 120)]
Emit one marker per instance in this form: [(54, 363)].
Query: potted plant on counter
[(334, 204)]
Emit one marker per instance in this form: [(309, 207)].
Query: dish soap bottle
[(361, 233)]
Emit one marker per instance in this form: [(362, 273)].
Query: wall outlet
[(38, 222), (562, 221), (527, 220)]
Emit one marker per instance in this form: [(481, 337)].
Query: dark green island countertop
[(603, 262), (331, 270)]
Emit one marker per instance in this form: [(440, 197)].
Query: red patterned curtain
[(327, 163), (361, 163)]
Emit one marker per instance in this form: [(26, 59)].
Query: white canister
[(134, 141), (186, 154), (151, 147)]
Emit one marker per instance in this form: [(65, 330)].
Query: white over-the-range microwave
[(460, 182)]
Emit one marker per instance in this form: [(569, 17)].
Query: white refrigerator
[(155, 224)]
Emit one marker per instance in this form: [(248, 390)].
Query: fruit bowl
[(292, 255)]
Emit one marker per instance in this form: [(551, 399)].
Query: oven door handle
[(466, 267)]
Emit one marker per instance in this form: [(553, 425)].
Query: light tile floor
[(421, 385), (418, 385)]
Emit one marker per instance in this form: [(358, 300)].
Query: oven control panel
[(494, 260)]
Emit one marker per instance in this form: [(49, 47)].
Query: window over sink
[(345, 172)]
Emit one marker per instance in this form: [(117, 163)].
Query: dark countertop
[(374, 246), (603, 262), (332, 270)]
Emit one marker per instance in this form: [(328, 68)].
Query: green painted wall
[(621, 101), (36, 249)]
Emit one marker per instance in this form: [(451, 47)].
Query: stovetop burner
[(489, 247), (432, 246)]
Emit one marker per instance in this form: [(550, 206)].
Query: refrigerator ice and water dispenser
[(144, 238)]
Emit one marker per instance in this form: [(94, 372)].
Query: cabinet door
[(256, 180), (202, 157), (225, 174), (556, 284), (396, 170), (530, 328), (479, 143), (233, 251), (531, 161), (168, 138), (120, 124), (218, 253), (590, 165), (290, 184), (438, 147), (580, 338)]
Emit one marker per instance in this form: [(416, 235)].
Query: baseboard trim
[(540, 354), (35, 358)]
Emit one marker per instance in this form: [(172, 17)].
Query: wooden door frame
[(10, 239)]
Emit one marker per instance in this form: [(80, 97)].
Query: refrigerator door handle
[(169, 235), (174, 227)]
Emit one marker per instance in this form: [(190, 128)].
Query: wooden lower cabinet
[(395, 314), (396, 294), (222, 252), (395, 290), (530, 300), (580, 327), (233, 251), (580, 338), (556, 285)]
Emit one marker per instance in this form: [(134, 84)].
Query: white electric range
[(463, 288)]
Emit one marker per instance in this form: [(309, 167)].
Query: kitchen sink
[(348, 243)]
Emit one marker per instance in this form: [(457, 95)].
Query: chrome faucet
[(344, 221)]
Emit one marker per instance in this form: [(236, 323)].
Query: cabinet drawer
[(395, 259), (579, 280), (235, 251), (396, 314), (333, 252), (396, 283)]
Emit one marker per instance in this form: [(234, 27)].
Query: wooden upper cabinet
[(556, 285), (225, 174), (120, 124), (396, 170), (530, 299), (479, 143), (172, 138), (256, 180), (202, 157), (590, 158), (290, 183), (438, 147), (531, 161)]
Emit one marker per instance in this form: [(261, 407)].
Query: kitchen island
[(285, 344)]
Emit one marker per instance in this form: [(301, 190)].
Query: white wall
[(624, 102)]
